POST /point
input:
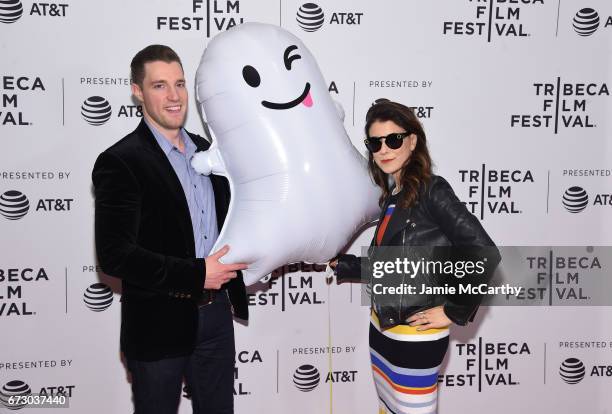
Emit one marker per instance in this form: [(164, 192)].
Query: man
[(156, 222)]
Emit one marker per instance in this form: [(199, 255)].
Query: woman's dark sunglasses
[(393, 141)]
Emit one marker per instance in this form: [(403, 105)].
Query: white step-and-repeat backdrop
[(514, 96)]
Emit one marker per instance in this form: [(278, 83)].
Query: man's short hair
[(151, 53)]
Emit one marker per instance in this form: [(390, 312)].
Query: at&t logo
[(15, 388), (12, 10), (97, 110), (572, 371), (14, 205), (310, 17), (18, 388), (587, 21), (98, 297), (576, 199), (306, 378)]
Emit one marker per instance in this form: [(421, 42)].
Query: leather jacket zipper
[(399, 311)]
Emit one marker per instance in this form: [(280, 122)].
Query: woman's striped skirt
[(405, 365)]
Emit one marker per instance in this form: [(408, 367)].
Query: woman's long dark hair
[(417, 170)]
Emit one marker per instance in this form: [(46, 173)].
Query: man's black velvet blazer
[(144, 237)]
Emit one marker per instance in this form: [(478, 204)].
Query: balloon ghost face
[(299, 188), (252, 78)]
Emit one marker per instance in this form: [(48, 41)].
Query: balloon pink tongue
[(307, 100)]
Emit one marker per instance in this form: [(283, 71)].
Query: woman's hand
[(430, 319), (333, 263)]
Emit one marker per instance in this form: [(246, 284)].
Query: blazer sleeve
[(464, 230), (118, 206)]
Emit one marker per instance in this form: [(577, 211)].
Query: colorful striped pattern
[(405, 366), (384, 223)]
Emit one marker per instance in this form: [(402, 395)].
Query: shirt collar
[(166, 146)]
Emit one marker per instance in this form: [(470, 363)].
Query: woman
[(408, 342)]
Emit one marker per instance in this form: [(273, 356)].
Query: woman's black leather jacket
[(437, 219)]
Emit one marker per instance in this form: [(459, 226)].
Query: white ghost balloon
[(299, 188)]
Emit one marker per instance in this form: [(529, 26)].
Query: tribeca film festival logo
[(573, 370), (14, 205), (98, 297), (10, 113), (563, 105), (565, 276), (12, 10), (310, 17), (212, 16), (491, 191), (284, 288), (493, 18), (486, 364), (11, 289), (244, 358), (19, 388)]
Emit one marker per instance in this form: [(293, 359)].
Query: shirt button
[(195, 186), (205, 237)]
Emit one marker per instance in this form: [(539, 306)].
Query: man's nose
[(173, 94)]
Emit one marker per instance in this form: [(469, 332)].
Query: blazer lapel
[(168, 177)]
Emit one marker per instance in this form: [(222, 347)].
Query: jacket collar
[(399, 220), (148, 139)]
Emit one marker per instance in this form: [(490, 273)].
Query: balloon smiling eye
[(251, 76), (289, 59)]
